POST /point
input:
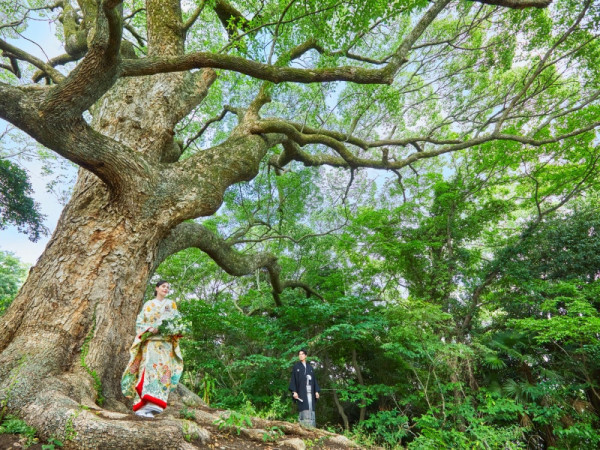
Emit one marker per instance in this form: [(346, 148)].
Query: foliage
[(234, 421), (14, 425), (273, 434), (188, 433), (186, 413), (52, 444), (84, 351), (70, 432), (411, 361), (389, 426), (12, 275), (16, 205)]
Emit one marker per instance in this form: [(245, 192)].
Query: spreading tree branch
[(517, 4), (191, 234), (97, 72), (267, 72), (261, 71), (337, 142), (15, 52)]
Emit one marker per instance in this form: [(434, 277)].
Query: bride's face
[(163, 289)]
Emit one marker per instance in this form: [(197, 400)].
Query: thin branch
[(347, 191), (276, 32), (34, 43), (54, 74), (188, 23), (133, 13), (235, 240), (205, 126)]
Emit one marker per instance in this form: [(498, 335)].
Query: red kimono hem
[(149, 399), (146, 398)]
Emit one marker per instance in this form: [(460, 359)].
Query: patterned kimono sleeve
[(147, 318)]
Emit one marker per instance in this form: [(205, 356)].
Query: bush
[(14, 425)]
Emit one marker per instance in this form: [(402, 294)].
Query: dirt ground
[(10, 441), (224, 441)]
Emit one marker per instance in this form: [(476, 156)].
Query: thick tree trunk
[(93, 273), (86, 288), (64, 340)]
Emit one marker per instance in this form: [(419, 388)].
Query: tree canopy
[(408, 188)]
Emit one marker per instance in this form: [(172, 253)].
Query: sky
[(10, 239)]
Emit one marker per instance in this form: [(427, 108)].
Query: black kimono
[(304, 383)]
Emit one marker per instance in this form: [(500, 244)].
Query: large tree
[(167, 104)]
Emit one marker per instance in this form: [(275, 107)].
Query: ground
[(209, 435)]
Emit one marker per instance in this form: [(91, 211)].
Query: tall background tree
[(17, 207), (450, 319), (169, 107), (12, 275)]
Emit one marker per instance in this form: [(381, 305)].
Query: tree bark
[(340, 409), (361, 382)]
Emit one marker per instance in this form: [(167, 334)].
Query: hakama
[(304, 383)]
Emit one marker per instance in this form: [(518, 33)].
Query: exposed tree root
[(187, 423)]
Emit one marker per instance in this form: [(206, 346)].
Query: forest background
[(450, 302)]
